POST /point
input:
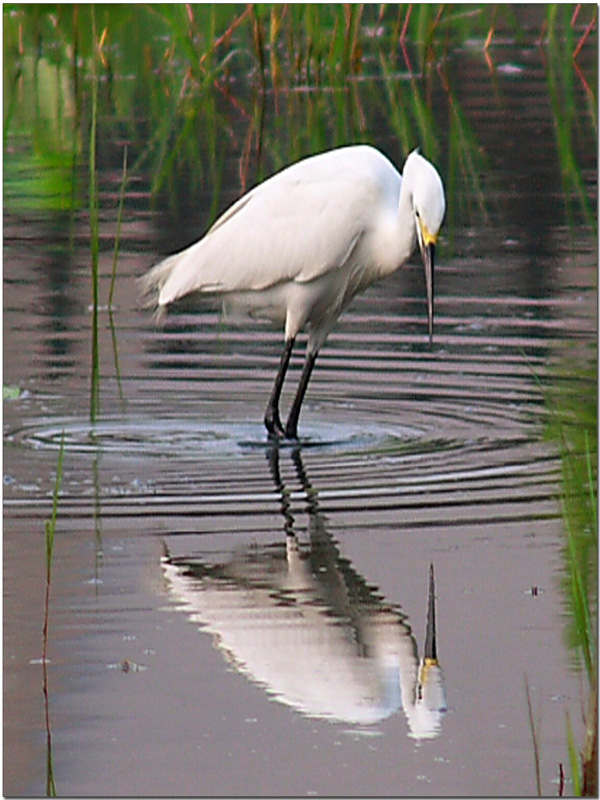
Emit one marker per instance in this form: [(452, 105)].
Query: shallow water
[(232, 618)]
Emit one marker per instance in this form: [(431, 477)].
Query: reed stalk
[(50, 530), (113, 277), (118, 231), (573, 425), (94, 230), (534, 727)]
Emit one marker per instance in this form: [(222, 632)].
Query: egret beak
[(427, 242), (427, 254)]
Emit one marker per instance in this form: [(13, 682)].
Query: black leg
[(286, 510), (291, 429), (272, 418)]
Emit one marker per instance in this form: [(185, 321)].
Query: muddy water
[(229, 618)]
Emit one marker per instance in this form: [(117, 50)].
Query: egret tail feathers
[(152, 282)]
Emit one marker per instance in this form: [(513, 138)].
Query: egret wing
[(296, 226)]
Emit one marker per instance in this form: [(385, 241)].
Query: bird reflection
[(299, 620)]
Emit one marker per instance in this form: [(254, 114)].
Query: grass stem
[(50, 530), (534, 737), (113, 276), (94, 230)]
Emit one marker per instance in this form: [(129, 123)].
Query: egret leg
[(291, 428), (272, 418)]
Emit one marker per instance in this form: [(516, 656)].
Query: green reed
[(113, 277), (572, 426), (184, 46), (94, 231), (50, 530), (534, 727), (197, 65), (561, 77)]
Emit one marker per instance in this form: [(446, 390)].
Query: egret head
[(429, 206)]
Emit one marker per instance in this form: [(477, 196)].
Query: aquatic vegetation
[(572, 426), (210, 74), (113, 277), (568, 120), (50, 530), (94, 236)]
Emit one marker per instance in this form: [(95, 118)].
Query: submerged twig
[(590, 27)]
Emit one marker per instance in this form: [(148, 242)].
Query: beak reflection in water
[(300, 621)]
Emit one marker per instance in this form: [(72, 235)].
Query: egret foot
[(273, 424)]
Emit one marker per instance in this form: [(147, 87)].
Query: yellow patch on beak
[(427, 237)]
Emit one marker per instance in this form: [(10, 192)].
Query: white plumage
[(299, 246)]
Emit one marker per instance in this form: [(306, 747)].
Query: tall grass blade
[(94, 230), (50, 530), (591, 480), (113, 276), (589, 761), (573, 426), (535, 739), (573, 759)]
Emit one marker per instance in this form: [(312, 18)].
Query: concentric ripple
[(390, 429)]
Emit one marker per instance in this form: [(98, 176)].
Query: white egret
[(299, 246)]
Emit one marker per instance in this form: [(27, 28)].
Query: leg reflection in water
[(301, 621)]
